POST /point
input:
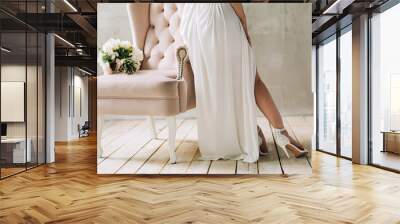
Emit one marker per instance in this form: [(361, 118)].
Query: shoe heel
[(296, 151), (281, 140), (283, 148)]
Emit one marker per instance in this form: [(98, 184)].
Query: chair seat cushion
[(144, 84)]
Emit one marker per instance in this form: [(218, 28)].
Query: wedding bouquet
[(119, 56)]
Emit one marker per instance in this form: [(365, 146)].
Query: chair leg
[(99, 131), (171, 138), (153, 132)]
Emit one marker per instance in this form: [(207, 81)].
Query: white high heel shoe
[(281, 140), (284, 143)]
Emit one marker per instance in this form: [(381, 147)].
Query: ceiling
[(75, 22), (331, 15)]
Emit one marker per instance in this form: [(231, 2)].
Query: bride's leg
[(267, 106)]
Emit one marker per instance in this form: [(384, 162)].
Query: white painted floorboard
[(130, 149)]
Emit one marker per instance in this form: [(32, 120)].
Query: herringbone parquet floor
[(70, 191)]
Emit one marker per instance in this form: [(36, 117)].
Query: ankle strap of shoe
[(280, 138), (277, 130)]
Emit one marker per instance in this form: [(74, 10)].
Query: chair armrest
[(182, 56)]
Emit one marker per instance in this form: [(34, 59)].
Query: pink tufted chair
[(164, 84)]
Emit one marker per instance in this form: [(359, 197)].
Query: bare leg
[(267, 106)]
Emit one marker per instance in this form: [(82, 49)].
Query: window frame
[(336, 35)]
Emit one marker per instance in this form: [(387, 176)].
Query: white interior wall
[(12, 73), (62, 81), (68, 80), (34, 125), (82, 82), (80, 110)]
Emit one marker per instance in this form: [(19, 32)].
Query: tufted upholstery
[(154, 90), (159, 37)]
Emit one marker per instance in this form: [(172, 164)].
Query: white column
[(50, 99), (360, 90), (314, 93)]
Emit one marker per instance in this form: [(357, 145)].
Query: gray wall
[(281, 36)]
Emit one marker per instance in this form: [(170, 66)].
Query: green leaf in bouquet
[(106, 58), (128, 66), (123, 52)]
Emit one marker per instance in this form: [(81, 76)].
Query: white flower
[(108, 54), (137, 55), (125, 44), (100, 58)]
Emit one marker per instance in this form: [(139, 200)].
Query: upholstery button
[(172, 40), (162, 9), (162, 56)]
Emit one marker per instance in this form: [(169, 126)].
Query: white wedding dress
[(224, 70)]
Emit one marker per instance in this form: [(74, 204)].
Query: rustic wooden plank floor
[(129, 149)]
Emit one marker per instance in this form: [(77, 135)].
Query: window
[(327, 96), (385, 89), (346, 93), (335, 74)]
